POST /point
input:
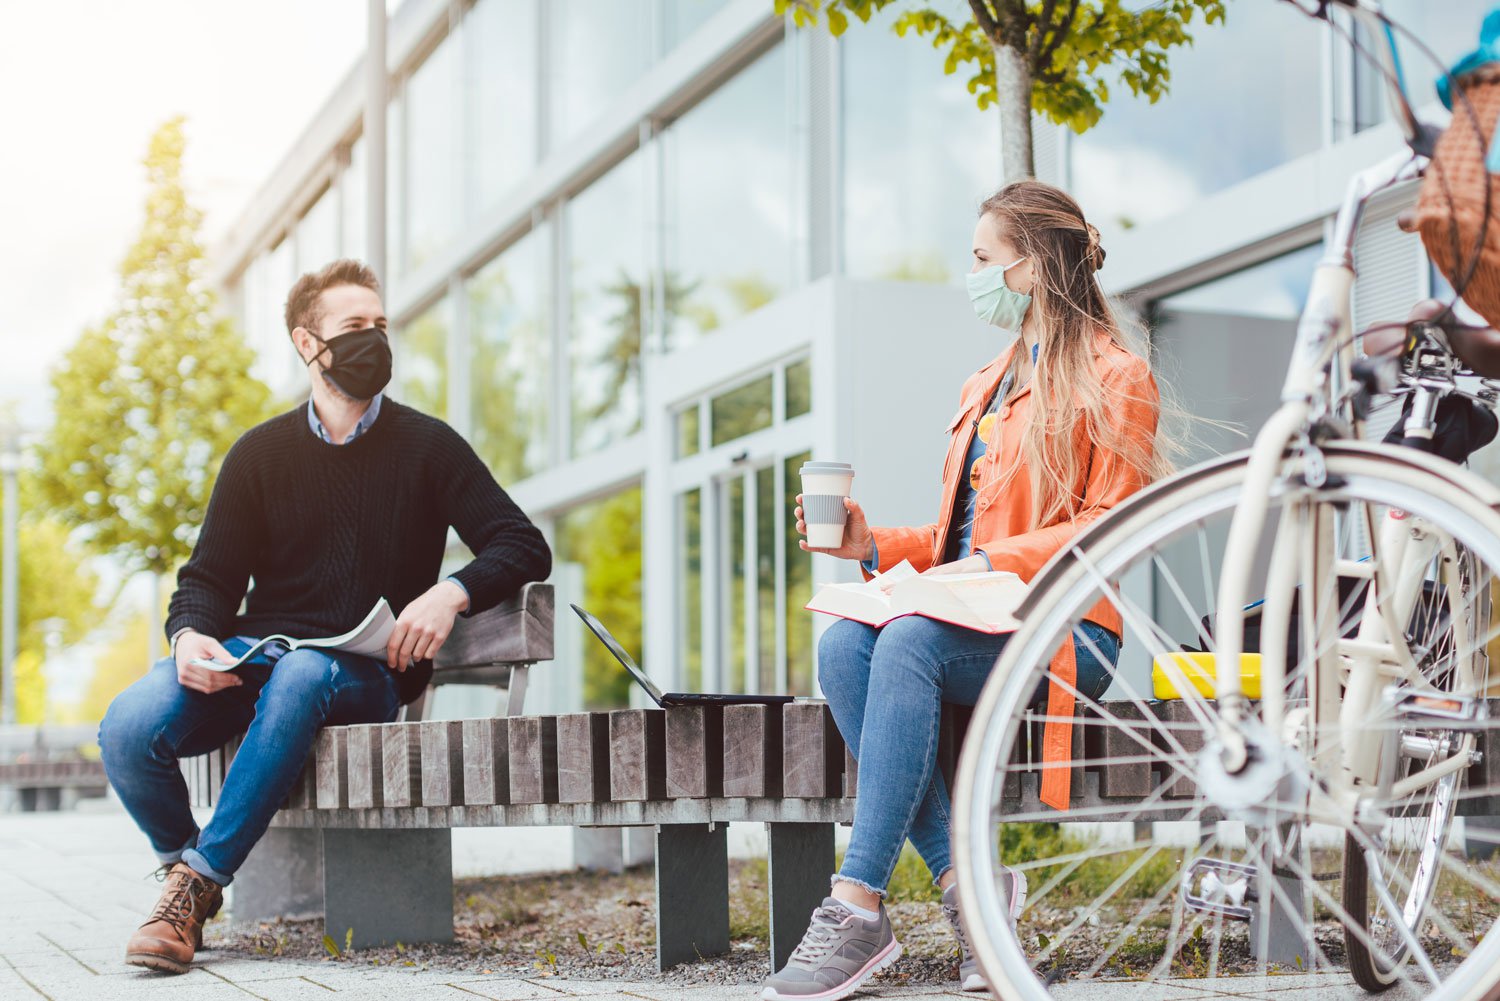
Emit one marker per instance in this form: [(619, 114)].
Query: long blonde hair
[(1049, 229)]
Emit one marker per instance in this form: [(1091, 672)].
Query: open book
[(368, 639), (985, 602)]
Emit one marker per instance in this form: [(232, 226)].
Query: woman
[(1055, 431)]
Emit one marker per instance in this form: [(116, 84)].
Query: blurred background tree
[(149, 401), (1054, 57)]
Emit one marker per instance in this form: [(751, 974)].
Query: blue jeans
[(156, 721), (889, 685)]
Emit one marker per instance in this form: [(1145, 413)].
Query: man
[(327, 508)]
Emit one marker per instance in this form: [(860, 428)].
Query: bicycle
[(1366, 730)]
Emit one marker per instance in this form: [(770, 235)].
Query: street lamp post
[(10, 464)]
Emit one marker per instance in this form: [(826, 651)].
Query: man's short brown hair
[(304, 306)]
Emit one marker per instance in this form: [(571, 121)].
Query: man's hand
[(424, 625), (195, 646)]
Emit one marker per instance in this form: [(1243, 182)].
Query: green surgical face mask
[(993, 300)]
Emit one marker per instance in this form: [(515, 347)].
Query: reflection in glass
[(595, 51), (431, 146), (798, 388), (728, 214), (1224, 346), (421, 361), (740, 411), (1245, 97), (604, 226), (687, 432), (680, 18), (690, 588), (501, 40), (511, 359), (733, 572), (604, 537), (799, 590), (765, 579), (919, 157), (282, 365), (318, 234), (352, 188)]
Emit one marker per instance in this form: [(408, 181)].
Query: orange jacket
[(1002, 519)]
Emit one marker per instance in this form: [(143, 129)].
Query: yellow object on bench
[(1198, 669)]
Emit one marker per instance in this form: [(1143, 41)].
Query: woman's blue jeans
[(886, 688), (280, 707)]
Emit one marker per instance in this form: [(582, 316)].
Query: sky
[(85, 84)]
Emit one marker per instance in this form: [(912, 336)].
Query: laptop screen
[(607, 638)]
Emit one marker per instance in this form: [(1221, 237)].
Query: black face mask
[(361, 365)]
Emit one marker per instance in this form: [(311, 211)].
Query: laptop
[(665, 699)]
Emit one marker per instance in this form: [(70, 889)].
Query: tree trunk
[(155, 644), (1013, 85)]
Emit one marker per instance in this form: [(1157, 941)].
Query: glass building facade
[(582, 191)]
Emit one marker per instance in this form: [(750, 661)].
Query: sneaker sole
[(882, 961), (154, 962), (974, 982), (1019, 903)]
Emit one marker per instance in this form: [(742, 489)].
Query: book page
[(368, 639)]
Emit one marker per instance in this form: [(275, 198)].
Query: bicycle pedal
[(1224, 888), (1433, 708)]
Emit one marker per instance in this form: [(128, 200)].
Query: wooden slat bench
[(44, 767)]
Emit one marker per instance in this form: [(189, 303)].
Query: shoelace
[(820, 933), (950, 911), (177, 901)]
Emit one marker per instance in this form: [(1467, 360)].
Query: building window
[(595, 51), (511, 360), (728, 213), (740, 411), (680, 18), (501, 88), (431, 143), (1246, 96), (919, 157), (798, 388), (352, 187), (604, 538), (604, 239), (318, 234), (1224, 346), (421, 361), (1449, 29)]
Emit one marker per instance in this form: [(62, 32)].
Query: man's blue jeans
[(886, 688), (280, 707)]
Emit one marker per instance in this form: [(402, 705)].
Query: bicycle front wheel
[(1162, 866)]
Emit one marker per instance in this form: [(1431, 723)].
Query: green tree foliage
[(605, 538), (149, 400), (1056, 57)]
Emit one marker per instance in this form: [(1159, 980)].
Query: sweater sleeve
[(211, 584), (509, 551)]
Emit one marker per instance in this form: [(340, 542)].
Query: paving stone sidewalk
[(74, 885)]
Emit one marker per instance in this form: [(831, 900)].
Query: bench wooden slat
[(1105, 743), (365, 757), (442, 762), (486, 751), (516, 631), (812, 751), (851, 772), (752, 751), (637, 755), (331, 751), (533, 759), (695, 752), (583, 758), (401, 764)]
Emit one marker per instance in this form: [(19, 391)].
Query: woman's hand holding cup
[(859, 541)]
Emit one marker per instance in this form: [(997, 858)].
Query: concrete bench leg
[(799, 863), (692, 892), (1481, 837), (388, 886), (281, 878)]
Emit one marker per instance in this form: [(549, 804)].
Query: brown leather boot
[(174, 931)]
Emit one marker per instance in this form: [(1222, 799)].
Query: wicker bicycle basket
[(1451, 203)]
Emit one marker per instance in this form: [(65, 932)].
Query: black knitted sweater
[(320, 532)]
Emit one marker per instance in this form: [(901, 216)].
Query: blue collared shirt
[(363, 425)]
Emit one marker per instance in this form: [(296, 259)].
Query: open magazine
[(368, 639), (985, 602)]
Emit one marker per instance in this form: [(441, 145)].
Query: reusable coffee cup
[(824, 487)]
